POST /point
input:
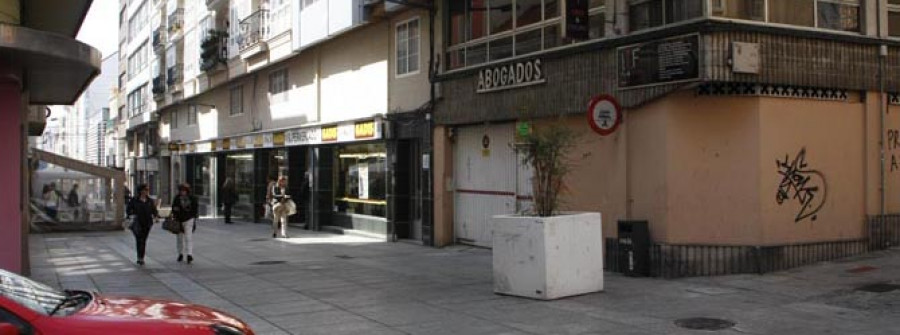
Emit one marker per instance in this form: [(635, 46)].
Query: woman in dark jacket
[(185, 210), (144, 211)]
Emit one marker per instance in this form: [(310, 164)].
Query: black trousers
[(228, 212), (140, 238)]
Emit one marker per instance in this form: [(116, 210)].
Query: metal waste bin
[(634, 248)]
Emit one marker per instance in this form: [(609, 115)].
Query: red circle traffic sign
[(604, 114)]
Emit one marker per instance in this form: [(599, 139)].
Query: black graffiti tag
[(799, 182)]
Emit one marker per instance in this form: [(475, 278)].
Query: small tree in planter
[(547, 152), (551, 255)]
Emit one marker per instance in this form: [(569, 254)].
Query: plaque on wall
[(659, 62)]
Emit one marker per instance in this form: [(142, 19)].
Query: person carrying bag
[(143, 208), (185, 211), (282, 207)]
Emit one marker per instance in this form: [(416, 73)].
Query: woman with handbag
[(143, 208), (281, 208), (185, 210)]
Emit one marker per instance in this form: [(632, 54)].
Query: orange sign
[(329, 133), (365, 129)]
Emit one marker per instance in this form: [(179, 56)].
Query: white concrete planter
[(548, 257)]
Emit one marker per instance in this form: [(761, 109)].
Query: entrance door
[(489, 181)]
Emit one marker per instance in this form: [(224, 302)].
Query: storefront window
[(361, 185), (239, 167)]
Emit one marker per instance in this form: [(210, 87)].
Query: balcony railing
[(176, 21), (173, 75), (213, 49), (159, 84), (254, 28), (159, 38)]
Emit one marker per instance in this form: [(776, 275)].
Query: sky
[(101, 27)]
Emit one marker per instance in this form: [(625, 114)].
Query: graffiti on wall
[(893, 143), (802, 184)]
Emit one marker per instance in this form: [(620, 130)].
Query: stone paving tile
[(332, 284)]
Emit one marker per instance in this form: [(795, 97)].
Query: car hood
[(135, 308)]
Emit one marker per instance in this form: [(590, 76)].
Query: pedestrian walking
[(73, 201), (185, 210), (270, 189), (229, 198), (51, 200), (282, 207), (143, 209)]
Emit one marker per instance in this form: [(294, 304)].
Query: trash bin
[(634, 248)]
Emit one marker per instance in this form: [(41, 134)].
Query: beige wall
[(832, 134), (711, 173), (354, 74), (645, 176), (443, 192), (9, 11), (411, 91)]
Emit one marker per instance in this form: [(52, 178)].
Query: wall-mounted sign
[(577, 20), (658, 62), (511, 75), (329, 134), (173, 146), (304, 136), (364, 130), (485, 145), (604, 114), (268, 140)]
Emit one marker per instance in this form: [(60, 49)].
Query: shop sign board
[(305, 136), (268, 140), (664, 61), (203, 147), (512, 75), (248, 141), (364, 130), (604, 114), (329, 134), (258, 141)]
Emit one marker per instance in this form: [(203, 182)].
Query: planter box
[(548, 257)]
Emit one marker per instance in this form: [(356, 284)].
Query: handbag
[(173, 226)]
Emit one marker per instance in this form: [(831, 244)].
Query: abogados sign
[(512, 75)]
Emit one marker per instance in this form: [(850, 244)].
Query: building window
[(893, 7), (826, 14), (237, 100), (137, 101), (137, 21), (137, 62), (643, 14), (173, 116), (361, 179), (191, 115), (278, 86), (480, 31), (408, 47)]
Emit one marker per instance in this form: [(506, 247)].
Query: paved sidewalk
[(334, 284)]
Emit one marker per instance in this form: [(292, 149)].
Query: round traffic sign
[(604, 114)]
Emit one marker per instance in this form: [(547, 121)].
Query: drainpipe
[(882, 53)]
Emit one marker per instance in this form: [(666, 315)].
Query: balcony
[(214, 51), (214, 4), (176, 22), (159, 39), (159, 86), (254, 29), (174, 76)]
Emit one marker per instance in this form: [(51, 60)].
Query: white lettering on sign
[(510, 76), (303, 136)]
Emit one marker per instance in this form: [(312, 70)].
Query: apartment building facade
[(755, 124), (332, 94)]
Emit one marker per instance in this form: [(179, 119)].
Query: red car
[(31, 308)]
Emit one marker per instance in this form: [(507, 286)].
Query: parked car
[(31, 308)]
